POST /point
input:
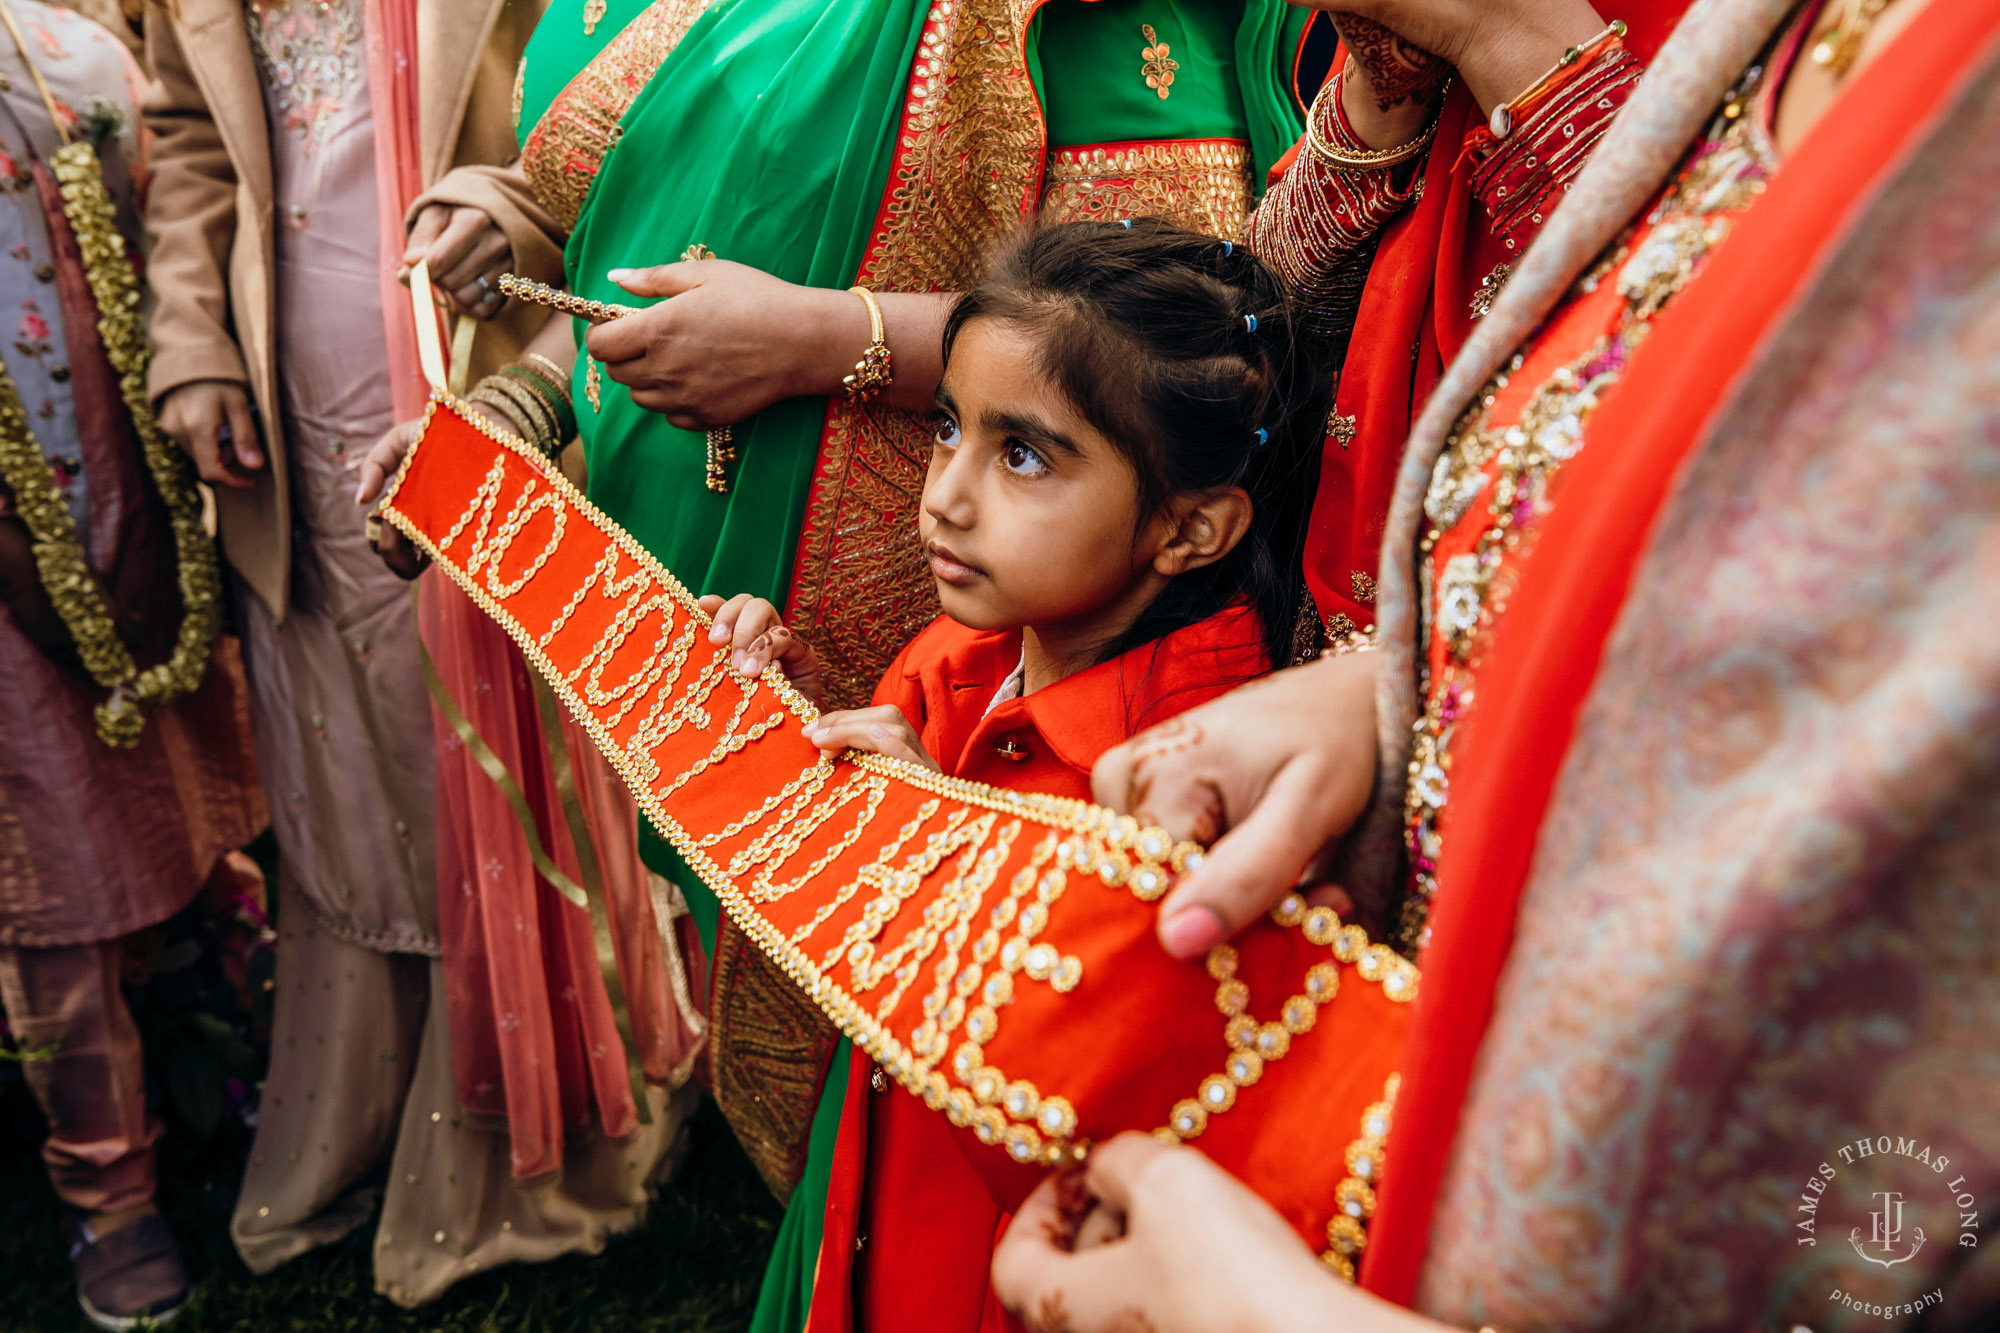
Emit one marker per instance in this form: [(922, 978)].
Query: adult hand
[(213, 422), (732, 341), (757, 637), (467, 252), (1195, 1252), (380, 463), (1270, 774)]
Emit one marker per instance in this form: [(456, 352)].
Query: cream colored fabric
[(360, 1073)]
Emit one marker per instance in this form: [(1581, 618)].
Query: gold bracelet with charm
[(875, 371)]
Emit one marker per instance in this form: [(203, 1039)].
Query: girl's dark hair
[(1187, 353)]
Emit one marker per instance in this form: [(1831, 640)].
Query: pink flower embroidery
[(33, 327)]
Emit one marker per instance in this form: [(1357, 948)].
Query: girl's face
[(1030, 515)]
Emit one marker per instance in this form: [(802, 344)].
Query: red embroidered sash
[(993, 950)]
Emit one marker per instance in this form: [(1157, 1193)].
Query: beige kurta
[(360, 1063)]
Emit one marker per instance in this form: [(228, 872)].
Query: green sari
[(769, 133)]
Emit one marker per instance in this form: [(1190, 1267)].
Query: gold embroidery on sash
[(1072, 842)]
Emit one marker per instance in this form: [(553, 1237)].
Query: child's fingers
[(898, 740), (850, 729), (709, 605), (725, 618), (754, 620)]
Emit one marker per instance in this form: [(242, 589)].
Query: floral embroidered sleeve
[(1319, 223)]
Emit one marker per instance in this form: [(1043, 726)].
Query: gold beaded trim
[(1354, 1197), (1076, 838)]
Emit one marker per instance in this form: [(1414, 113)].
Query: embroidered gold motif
[(1509, 468), (593, 14), (1489, 289), (1341, 429), (1205, 184), (521, 522), (570, 142), (1363, 585), (1159, 65), (969, 150)]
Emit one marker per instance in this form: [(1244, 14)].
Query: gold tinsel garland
[(58, 552)]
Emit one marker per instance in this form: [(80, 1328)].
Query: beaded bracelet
[(874, 371)]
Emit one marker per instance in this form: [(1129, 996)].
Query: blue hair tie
[(1250, 322), (1228, 249), (1126, 223), (1263, 436)]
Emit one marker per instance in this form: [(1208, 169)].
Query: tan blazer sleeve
[(504, 194), (191, 214)]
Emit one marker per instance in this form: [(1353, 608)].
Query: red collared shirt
[(1047, 741)]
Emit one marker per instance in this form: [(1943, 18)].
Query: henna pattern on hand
[(1398, 71), (1050, 1315)]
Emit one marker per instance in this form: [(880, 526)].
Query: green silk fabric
[(767, 135)]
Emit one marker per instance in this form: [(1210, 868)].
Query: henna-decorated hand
[(757, 637), (1397, 72), (1189, 1251), (1403, 49), (1271, 774)]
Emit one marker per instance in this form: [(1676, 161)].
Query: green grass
[(691, 1267)]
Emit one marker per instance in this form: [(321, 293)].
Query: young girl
[(1127, 431)]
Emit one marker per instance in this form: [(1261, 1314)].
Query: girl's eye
[(1019, 458), (947, 433)]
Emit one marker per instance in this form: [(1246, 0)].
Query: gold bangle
[(557, 375), (874, 372), (1366, 159)]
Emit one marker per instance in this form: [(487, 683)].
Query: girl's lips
[(949, 568)]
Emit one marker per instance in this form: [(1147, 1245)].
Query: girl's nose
[(949, 490)]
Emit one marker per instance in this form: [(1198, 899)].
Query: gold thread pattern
[(925, 893), (1206, 184)]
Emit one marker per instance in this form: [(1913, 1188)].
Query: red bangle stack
[(1523, 176)]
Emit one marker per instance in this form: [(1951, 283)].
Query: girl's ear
[(1202, 527)]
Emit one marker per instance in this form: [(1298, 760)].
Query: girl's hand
[(877, 730), (1194, 1251), (467, 252), (1270, 774), (732, 341), (758, 637), (1395, 73)]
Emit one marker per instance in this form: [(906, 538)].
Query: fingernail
[(618, 274), (1195, 930), (717, 634), (877, 734)]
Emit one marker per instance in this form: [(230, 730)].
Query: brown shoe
[(130, 1278)]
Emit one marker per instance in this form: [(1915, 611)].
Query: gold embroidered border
[(568, 145), (1354, 1197), (967, 171), (1074, 839), (1205, 184)]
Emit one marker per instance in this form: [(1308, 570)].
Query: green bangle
[(556, 396)]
